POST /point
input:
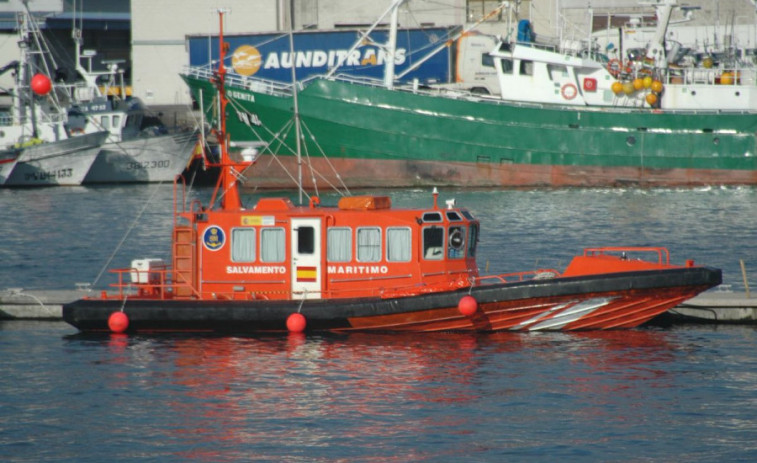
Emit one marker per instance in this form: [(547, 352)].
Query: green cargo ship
[(367, 135)]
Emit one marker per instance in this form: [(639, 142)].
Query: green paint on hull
[(369, 123)]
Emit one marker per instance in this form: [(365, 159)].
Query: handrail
[(663, 255), (275, 88)]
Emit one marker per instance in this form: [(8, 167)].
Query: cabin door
[(306, 258)]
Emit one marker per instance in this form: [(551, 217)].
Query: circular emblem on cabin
[(213, 238), (246, 60)]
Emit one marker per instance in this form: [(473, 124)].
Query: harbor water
[(685, 393)]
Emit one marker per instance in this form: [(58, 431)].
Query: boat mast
[(656, 48), (227, 180), (395, 5), (297, 128), (391, 48)]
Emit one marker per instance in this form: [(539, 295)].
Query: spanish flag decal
[(306, 274)]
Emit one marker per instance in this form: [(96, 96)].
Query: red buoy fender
[(296, 323), (468, 305), (118, 322)]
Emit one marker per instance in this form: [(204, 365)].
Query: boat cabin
[(360, 247)]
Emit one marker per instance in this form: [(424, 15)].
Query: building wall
[(158, 44)]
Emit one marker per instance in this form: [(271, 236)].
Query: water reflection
[(305, 398)]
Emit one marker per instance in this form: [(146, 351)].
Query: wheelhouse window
[(487, 60), (433, 243), (272, 245), (243, 245), (472, 239), (398, 244), (105, 122), (305, 240), (339, 244), (456, 242), (557, 71), (369, 244), (526, 68), (507, 65)]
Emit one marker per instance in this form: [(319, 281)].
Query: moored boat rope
[(126, 234)]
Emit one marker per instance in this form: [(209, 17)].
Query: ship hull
[(65, 162), (143, 160), (609, 301), (373, 136)]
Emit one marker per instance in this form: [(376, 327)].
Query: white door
[(306, 258)]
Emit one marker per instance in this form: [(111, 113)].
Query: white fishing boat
[(36, 147), (64, 162), (575, 73), (139, 147)]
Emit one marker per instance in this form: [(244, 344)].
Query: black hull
[(646, 291)]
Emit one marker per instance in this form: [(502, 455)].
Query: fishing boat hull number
[(49, 175), (144, 165)]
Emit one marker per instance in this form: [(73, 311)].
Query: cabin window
[(243, 245), (526, 67), (369, 244), (557, 71), (305, 240), (467, 214), (433, 243), (486, 60), (453, 216), (456, 242), (472, 239), (339, 244), (116, 121), (432, 217), (398, 244), (507, 65), (105, 122), (272, 245)]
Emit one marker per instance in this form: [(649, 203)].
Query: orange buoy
[(296, 323), (628, 88), (118, 322), (41, 84), (617, 87), (468, 305), (657, 86), (638, 84), (647, 82), (651, 99)]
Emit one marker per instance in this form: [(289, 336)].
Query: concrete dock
[(710, 307)]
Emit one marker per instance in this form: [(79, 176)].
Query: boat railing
[(663, 255), (712, 76), (539, 274), (254, 84), (155, 283), (275, 88)]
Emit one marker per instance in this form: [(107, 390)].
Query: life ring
[(569, 91)]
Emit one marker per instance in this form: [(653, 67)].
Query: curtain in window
[(339, 245), (272, 245), (398, 244), (368, 244), (243, 245)]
